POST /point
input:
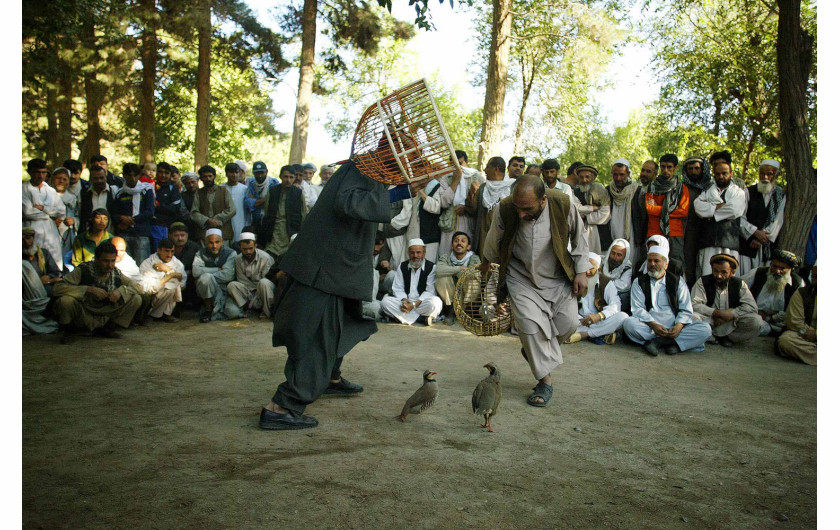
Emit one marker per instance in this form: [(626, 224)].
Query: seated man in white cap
[(414, 288), (599, 310), (162, 276), (731, 310), (662, 313), (763, 218), (619, 268), (213, 269), (251, 289)]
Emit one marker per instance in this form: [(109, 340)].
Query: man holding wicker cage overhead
[(541, 271)]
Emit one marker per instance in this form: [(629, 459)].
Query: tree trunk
[(148, 54), (526, 93), (51, 140), (494, 95), (750, 148), (65, 117), (92, 104), (716, 124), (794, 53), (307, 75), (202, 110)]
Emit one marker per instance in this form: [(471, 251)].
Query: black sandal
[(543, 391)]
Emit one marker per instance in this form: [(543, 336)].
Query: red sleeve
[(682, 208), (654, 210)]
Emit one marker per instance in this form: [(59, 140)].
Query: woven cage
[(401, 138), (475, 303)]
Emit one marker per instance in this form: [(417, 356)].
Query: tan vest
[(218, 206), (558, 211)]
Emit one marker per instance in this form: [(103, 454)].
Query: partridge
[(423, 398), (487, 395)]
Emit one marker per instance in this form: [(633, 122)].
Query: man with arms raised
[(662, 318), (530, 238)]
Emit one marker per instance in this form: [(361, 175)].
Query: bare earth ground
[(160, 430)]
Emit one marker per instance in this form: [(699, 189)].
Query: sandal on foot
[(543, 391), (573, 338)]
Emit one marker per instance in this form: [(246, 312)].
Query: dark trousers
[(315, 345)]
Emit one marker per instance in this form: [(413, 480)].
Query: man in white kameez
[(619, 268), (599, 310), (662, 318), (530, 236), (213, 269), (773, 287), (399, 224), (414, 289), (125, 263), (162, 275), (621, 191), (435, 199), (43, 209), (456, 216), (720, 208), (238, 192), (593, 203), (251, 289), (763, 217)]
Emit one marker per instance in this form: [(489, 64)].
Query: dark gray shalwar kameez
[(319, 312)]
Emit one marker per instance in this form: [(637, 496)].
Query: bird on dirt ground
[(423, 398), (487, 395)]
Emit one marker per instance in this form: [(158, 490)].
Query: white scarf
[(262, 189), (136, 194), (495, 191), (76, 188), (460, 262)]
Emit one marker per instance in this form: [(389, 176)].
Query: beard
[(30, 251), (415, 264), (585, 187), (776, 283), (613, 264), (722, 185), (765, 186), (656, 273), (591, 283)]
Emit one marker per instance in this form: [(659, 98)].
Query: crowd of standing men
[(682, 256)]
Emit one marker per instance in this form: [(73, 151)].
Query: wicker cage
[(401, 138), (476, 303)]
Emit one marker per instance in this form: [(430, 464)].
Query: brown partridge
[(423, 398), (487, 395)]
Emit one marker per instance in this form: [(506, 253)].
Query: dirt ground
[(160, 430)]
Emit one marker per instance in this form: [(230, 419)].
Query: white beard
[(415, 265), (656, 275), (585, 188), (30, 251), (777, 285), (765, 187), (591, 283)]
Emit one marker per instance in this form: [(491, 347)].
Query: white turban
[(662, 251), (242, 165), (416, 242), (621, 243), (624, 162), (247, 236), (596, 258), (660, 241), (771, 162), (212, 232)]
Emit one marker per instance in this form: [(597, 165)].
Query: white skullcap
[(662, 251), (622, 161), (212, 232), (416, 242), (595, 257), (771, 162), (242, 165), (189, 175), (247, 236)]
